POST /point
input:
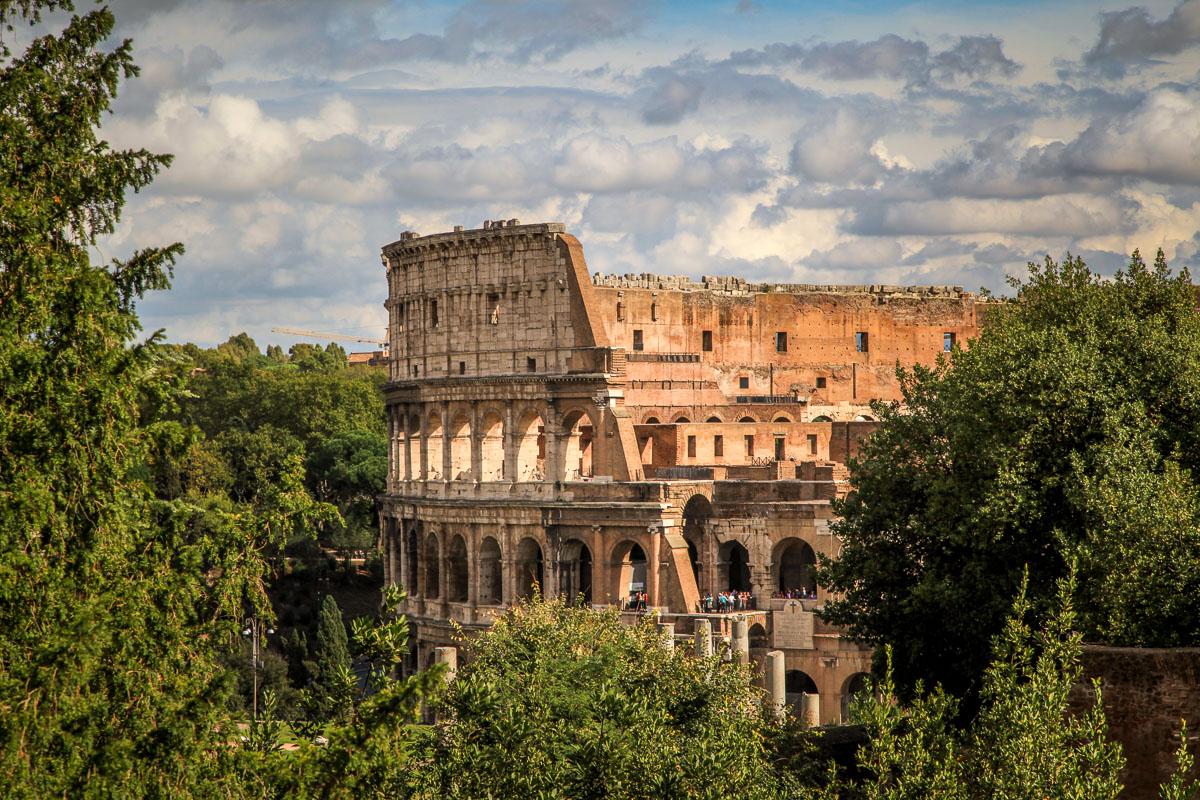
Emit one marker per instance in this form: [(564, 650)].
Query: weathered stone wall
[(1146, 691)]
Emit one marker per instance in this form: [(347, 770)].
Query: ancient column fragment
[(776, 682), (741, 640), (703, 637), (667, 629)]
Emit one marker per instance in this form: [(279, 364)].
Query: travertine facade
[(602, 436)]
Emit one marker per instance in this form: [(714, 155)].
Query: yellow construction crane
[(337, 336)]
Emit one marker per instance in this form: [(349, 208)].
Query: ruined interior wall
[(903, 325)]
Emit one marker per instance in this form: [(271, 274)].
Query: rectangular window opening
[(820, 383), (743, 382), (531, 364), (493, 309), (779, 448), (620, 310), (653, 311), (414, 370), (749, 445), (433, 312), (860, 341), (719, 446), (781, 342), (812, 444), (637, 340), (462, 368), (948, 340), (706, 341), (691, 446)]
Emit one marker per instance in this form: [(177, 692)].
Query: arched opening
[(491, 448), (630, 560), (747, 419), (795, 562), (412, 455), (575, 571), (682, 421), (781, 418), (460, 448), (864, 418), (491, 578), (458, 579), (411, 561), (651, 421), (531, 447), (433, 561), (697, 512), (798, 684), (822, 418), (529, 568), (735, 564), (577, 446), (758, 637), (713, 419), (435, 438), (855, 685)]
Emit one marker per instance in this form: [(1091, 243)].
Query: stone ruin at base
[(642, 441)]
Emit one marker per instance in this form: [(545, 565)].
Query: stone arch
[(412, 455), (822, 418), (651, 420), (432, 588), (491, 573), (748, 418), (458, 576), (852, 687), (758, 637), (629, 563), (491, 447), (714, 418), (864, 418), (697, 512), (575, 571), (435, 440), (579, 432), (529, 567), (531, 446), (735, 566), (800, 688), (794, 562), (459, 438), (682, 420), (781, 418), (411, 560)]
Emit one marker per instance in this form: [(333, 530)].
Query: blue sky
[(863, 142)]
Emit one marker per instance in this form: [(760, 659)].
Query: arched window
[(433, 564), (794, 564), (529, 568), (491, 576), (735, 563), (531, 447), (457, 577), (713, 419), (651, 421), (575, 571), (822, 418)]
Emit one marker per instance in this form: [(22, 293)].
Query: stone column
[(776, 682), (447, 443), (810, 709), (511, 444), (741, 640), (407, 469), (554, 452), (667, 629), (449, 657), (550, 567), (391, 440), (703, 638), (654, 566), (476, 447), (423, 448)]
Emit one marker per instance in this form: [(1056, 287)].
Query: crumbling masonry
[(602, 436)]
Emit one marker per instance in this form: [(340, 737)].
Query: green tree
[(1068, 430), (559, 701), (350, 469), (1024, 744), (111, 602), (333, 681)]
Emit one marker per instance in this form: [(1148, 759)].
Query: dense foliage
[(1068, 430), (558, 701)]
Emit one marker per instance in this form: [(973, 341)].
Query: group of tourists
[(637, 601), (797, 594), (727, 602)]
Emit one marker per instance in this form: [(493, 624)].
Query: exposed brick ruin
[(603, 436)]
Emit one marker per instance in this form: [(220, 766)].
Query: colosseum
[(650, 442)]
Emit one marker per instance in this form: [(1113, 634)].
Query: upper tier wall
[(724, 284)]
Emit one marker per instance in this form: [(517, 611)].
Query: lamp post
[(255, 629)]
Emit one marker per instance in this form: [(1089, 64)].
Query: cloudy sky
[(866, 141)]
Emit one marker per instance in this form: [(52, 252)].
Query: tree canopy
[(1068, 430)]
